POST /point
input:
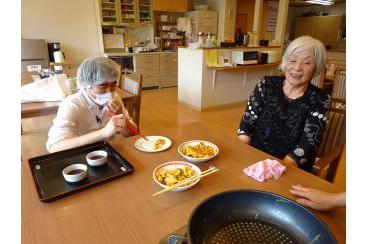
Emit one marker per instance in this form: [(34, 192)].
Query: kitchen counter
[(202, 87), (242, 47)]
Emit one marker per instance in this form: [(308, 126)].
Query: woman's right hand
[(318, 199), (116, 124), (245, 139)]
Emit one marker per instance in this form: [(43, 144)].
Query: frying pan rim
[(255, 191)]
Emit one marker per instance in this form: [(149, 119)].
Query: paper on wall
[(113, 41)]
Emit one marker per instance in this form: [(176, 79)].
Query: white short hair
[(96, 71), (304, 43)]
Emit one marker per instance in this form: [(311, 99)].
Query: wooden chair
[(333, 142), (132, 83), (339, 86), (319, 79)]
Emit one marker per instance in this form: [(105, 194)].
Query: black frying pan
[(248, 216)]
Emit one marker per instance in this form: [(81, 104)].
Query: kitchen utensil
[(250, 216), (194, 178), (132, 129)]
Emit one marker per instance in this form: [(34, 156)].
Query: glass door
[(128, 15), (145, 12), (109, 11)]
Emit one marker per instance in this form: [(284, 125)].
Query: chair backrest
[(339, 86), (319, 79), (132, 83), (340, 64), (335, 134)]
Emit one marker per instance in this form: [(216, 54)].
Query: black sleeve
[(314, 127), (252, 110)]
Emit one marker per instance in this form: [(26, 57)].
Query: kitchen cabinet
[(157, 69), (324, 28), (149, 66), (170, 5), (168, 69), (203, 21), (126, 12), (110, 12), (145, 12)]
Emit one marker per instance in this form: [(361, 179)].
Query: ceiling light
[(321, 2)]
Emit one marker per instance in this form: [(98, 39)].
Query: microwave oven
[(244, 57)]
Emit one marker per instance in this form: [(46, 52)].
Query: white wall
[(294, 12), (73, 23)]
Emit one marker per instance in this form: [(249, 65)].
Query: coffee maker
[(53, 47)]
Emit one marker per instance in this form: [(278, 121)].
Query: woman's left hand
[(114, 107)]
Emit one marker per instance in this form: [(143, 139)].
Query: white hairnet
[(96, 71)]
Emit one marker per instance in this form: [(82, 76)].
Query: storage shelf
[(109, 9)]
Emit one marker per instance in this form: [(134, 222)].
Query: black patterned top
[(282, 126)]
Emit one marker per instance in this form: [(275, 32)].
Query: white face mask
[(103, 99)]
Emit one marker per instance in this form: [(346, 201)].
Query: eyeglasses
[(110, 86)]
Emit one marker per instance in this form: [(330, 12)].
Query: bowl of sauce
[(75, 172), (96, 158)]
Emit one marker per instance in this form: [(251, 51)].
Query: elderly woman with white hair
[(95, 113), (286, 115)]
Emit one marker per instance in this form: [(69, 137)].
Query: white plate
[(196, 142), (147, 146), (173, 165)]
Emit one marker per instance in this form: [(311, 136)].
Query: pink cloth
[(265, 169)]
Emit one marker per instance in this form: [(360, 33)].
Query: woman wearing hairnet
[(92, 114)]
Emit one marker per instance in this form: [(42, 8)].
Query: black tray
[(48, 177)]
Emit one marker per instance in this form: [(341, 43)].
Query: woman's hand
[(318, 199), (289, 161), (245, 139), (116, 124)]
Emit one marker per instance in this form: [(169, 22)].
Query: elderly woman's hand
[(318, 199), (116, 124)]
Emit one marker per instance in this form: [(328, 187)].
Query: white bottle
[(59, 56)]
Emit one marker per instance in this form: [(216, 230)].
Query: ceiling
[(295, 3)]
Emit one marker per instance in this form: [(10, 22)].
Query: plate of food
[(154, 144), (171, 173), (198, 151)]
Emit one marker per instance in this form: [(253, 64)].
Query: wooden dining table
[(124, 210)]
